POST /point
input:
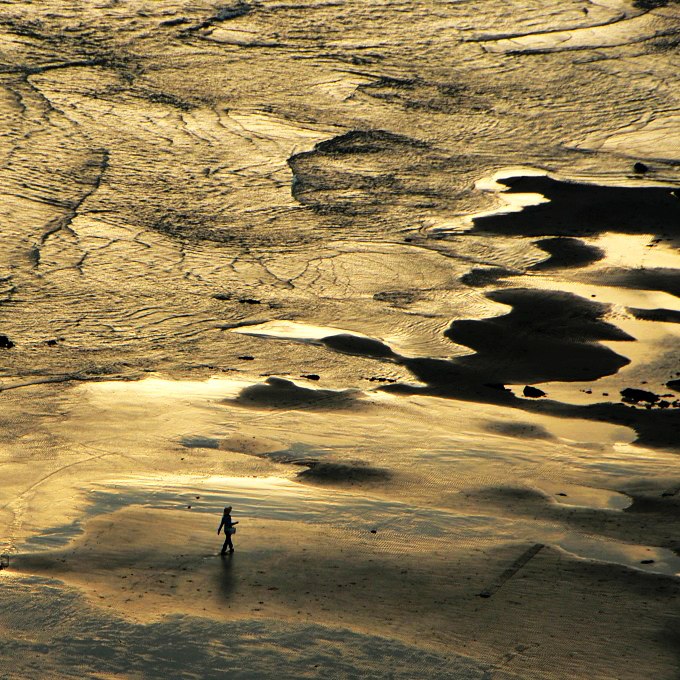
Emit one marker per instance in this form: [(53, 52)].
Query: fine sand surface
[(396, 280)]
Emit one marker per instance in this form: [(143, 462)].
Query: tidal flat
[(396, 280)]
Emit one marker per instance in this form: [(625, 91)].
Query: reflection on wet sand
[(411, 309)]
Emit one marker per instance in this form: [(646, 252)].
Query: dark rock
[(640, 167), (498, 386), (532, 392), (198, 442), (169, 100), (237, 10), (396, 297), (175, 22), (518, 429), (374, 531), (631, 395), (51, 343), (312, 376), (650, 4), (5, 342), (673, 385), (646, 561), (246, 357), (249, 301), (222, 296)]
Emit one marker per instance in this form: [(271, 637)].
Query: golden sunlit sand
[(398, 281)]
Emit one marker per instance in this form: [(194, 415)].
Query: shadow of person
[(226, 583)]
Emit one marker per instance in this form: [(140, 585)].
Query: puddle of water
[(163, 388), (512, 202), (279, 499), (291, 330), (625, 461), (574, 430), (638, 141), (614, 295), (645, 558), (633, 251), (342, 87), (276, 128), (631, 30), (585, 496), (275, 498), (415, 338), (652, 339)]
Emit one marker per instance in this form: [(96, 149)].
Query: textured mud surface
[(397, 280)]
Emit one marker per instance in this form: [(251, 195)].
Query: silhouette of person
[(228, 530)]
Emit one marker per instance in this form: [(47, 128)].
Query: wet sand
[(373, 274)]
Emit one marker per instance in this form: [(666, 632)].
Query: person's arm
[(220, 527)]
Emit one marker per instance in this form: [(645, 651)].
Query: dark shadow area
[(397, 298), (663, 315), (548, 335), (566, 252), (665, 280), (225, 581), (651, 519), (584, 209), (416, 94), (655, 427), (480, 278), (354, 344), (198, 442), (363, 172), (651, 4), (278, 393), (79, 640), (356, 472), (225, 13)]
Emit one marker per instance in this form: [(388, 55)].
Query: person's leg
[(227, 543), (231, 545)]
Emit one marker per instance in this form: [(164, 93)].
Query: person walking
[(229, 530)]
